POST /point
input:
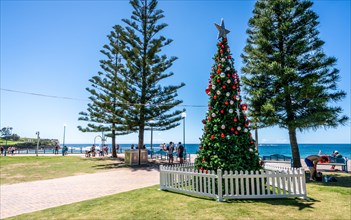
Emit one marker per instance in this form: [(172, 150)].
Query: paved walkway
[(28, 197)]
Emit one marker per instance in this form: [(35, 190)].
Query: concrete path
[(28, 197)]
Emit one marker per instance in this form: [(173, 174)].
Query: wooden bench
[(277, 158), (333, 161)]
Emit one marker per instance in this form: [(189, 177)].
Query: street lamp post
[(64, 135), (152, 131), (184, 116), (37, 133)]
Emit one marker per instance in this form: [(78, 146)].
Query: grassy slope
[(30, 168)]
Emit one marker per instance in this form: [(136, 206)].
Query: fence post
[(162, 187), (220, 192)]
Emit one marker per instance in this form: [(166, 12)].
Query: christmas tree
[(226, 143)]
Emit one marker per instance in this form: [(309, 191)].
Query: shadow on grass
[(342, 180), (295, 202), (119, 163)]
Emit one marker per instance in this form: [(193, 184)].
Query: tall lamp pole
[(152, 131), (38, 138), (184, 116), (64, 135)]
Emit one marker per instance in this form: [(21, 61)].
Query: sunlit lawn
[(15, 169), (327, 201)]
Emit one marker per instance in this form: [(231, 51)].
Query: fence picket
[(225, 179), (231, 183)]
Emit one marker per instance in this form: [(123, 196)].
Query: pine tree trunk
[(141, 140), (114, 153), (294, 148)]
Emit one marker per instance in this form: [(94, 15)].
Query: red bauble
[(233, 87), (229, 56), (236, 132), (207, 91), (222, 111), (209, 118), (224, 39), (235, 119), (222, 135), (203, 159), (212, 137), (234, 97), (248, 121), (211, 76), (224, 86), (228, 75), (206, 171), (246, 125), (204, 121), (218, 71), (245, 117), (202, 169), (226, 103), (222, 46), (221, 51), (232, 129), (251, 142), (219, 66), (218, 80), (214, 97), (244, 107)]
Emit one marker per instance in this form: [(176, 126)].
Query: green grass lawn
[(327, 201), (29, 168)]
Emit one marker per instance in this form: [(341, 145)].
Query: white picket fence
[(272, 182)]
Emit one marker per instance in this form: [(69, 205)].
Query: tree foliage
[(104, 113), (127, 96), (290, 81), (145, 69)]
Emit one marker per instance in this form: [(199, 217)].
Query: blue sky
[(52, 48)]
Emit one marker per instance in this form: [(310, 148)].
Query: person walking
[(56, 149), (170, 149), (180, 152)]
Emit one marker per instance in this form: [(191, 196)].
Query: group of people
[(170, 148), (10, 150), (312, 161), (92, 152)]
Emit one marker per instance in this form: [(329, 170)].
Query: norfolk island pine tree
[(226, 142), (130, 98), (289, 80)]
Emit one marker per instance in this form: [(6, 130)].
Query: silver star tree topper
[(222, 32)]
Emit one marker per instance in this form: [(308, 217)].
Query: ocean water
[(263, 149)]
